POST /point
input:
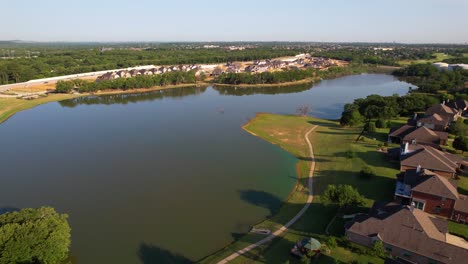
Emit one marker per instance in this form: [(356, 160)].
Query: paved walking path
[(290, 222)]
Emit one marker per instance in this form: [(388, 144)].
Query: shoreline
[(293, 191)]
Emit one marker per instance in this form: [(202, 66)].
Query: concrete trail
[(294, 219)]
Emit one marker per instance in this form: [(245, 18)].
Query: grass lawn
[(458, 229), (439, 57), (331, 142), (9, 106)]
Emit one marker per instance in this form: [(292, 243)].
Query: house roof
[(401, 131), (425, 135), (412, 230), (461, 204), (431, 158), (434, 119), (441, 109), (458, 104), (431, 183)]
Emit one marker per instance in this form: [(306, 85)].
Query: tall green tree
[(34, 236)]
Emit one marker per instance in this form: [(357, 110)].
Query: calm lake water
[(170, 173)]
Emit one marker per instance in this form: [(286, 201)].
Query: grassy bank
[(10, 106), (332, 144)]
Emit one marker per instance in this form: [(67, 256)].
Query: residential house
[(409, 234), (427, 191), (107, 76), (460, 105), (430, 158), (419, 135), (444, 111), (217, 72), (134, 72), (434, 121)]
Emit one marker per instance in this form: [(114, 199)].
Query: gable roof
[(412, 230), (425, 135), (441, 109), (430, 158), (434, 118), (401, 131), (432, 183)]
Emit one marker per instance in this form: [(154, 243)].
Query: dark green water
[(149, 176)]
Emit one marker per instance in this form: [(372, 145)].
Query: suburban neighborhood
[(414, 226)]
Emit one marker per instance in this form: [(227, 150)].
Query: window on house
[(406, 254), (419, 205), (388, 248), (438, 209)]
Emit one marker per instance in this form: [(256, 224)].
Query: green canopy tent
[(311, 243)]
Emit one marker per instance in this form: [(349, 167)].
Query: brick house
[(427, 157), (432, 193), (407, 233)]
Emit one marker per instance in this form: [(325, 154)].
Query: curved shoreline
[(285, 227)]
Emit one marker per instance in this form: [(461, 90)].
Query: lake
[(167, 173)]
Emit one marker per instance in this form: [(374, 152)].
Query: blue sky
[(410, 21)]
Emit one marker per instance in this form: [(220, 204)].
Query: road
[(294, 219)]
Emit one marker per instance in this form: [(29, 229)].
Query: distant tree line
[(430, 80), (55, 61), (142, 81)]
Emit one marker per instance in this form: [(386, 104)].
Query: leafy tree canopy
[(34, 236)]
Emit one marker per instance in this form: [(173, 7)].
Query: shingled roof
[(460, 104), (429, 182), (421, 135), (431, 158), (441, 109), (435, 119), (412, 230)]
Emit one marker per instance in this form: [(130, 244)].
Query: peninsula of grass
[(334, 165), (10, 106)]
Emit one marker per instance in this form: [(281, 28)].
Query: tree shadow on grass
[(150, 254)]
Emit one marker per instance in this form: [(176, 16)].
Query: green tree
[(458, 128), (379, 249), (34, 236), (460, 143), (343, 195)]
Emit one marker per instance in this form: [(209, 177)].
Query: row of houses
[(414, 227), (259, 66), (150, 71)]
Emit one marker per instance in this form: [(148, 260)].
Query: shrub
[(350, 154), (331, 242), (367, 172), (64, 86), (380, 123)]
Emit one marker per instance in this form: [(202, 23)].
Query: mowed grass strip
[(10, 106), (332, 145)]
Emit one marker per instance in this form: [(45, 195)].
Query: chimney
[(418, 169), (443, 102), (405, 149), (412, 206)]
